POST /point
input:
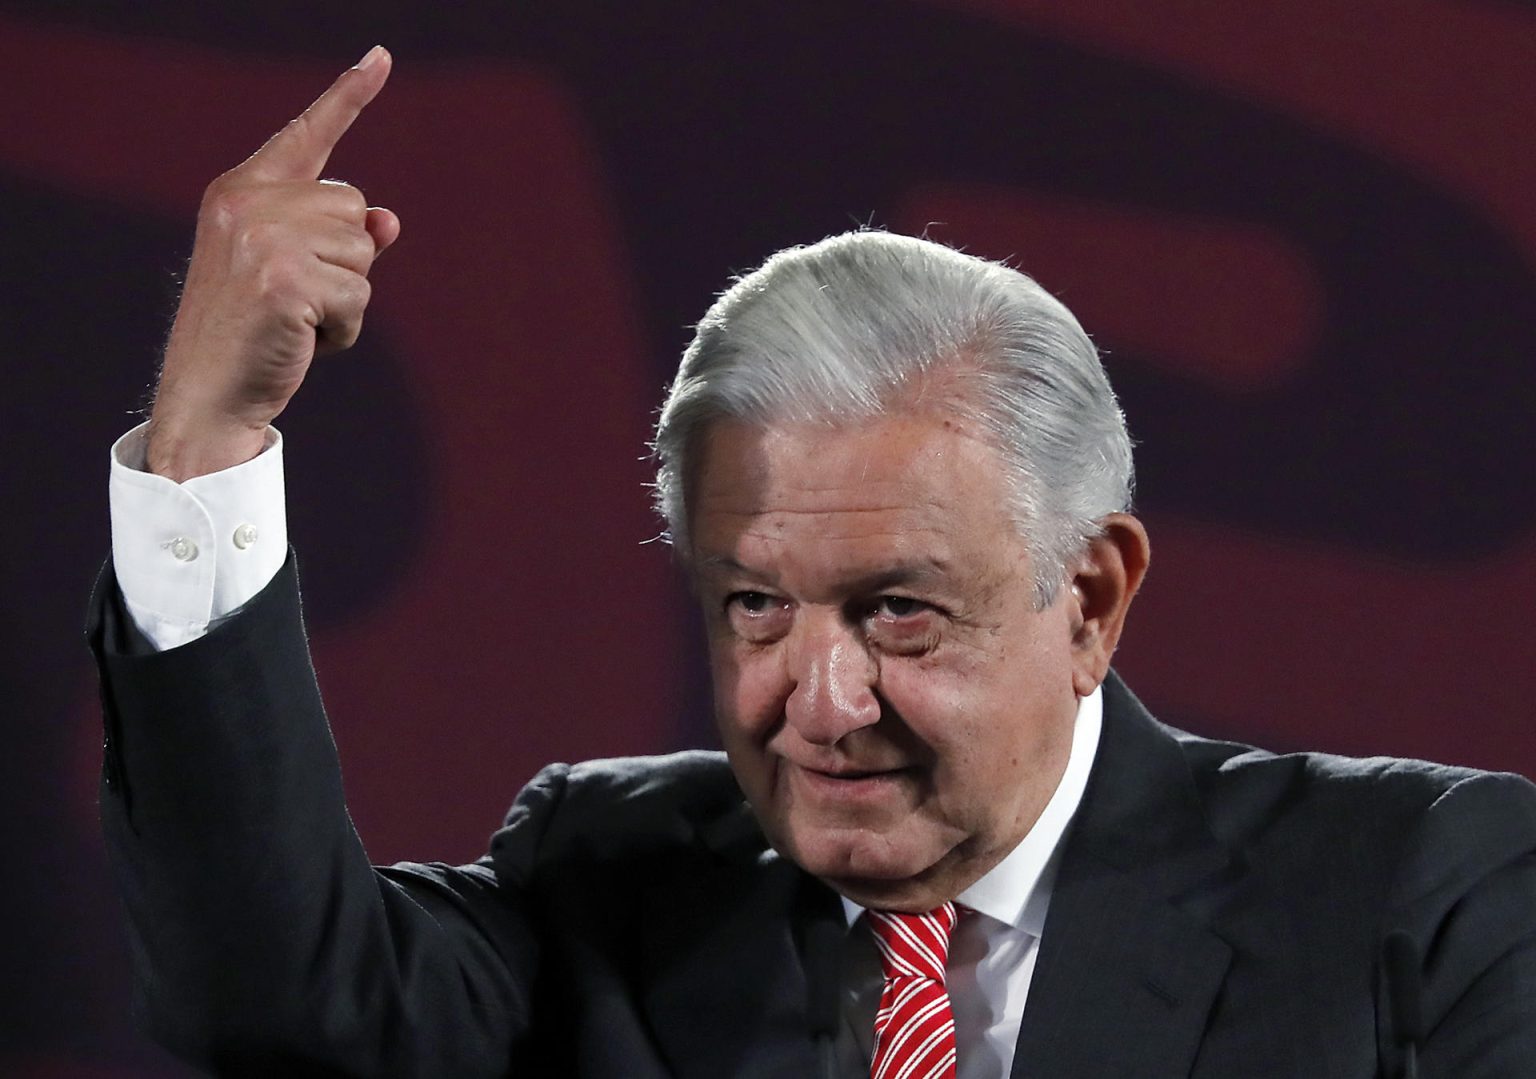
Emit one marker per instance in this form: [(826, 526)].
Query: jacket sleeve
[(1466, 895), (262, 940)]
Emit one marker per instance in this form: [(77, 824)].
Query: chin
[(914, 895), (873, 869)]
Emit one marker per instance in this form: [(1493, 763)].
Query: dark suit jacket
[(1219, 911)]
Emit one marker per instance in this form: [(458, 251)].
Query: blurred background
[(1303, 233)]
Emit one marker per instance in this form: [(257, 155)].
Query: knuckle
[(270, 247), (347, 334), (363, 249), (346, 196), (256, 237), (279, 284), (224, 201), (343, 329), (355, 294)]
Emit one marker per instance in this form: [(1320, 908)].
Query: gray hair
[(847, 329)]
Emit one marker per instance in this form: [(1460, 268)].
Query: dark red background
[(1304, 232)]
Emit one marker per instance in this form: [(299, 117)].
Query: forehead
[(911, 488)]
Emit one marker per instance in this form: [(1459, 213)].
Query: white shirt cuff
[(188, 555)]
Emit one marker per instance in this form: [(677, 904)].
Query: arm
[(261, 936), (1467, 897), (278, 276)]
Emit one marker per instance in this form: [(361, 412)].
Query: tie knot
[(914, 944)]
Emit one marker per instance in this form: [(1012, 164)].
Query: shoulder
[(1249, 790), (622, 808), (1303, 864), (1354, 816), (1340, 853), (1390, 825)]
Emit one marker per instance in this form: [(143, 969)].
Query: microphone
[(1401, 968), (823, 979)]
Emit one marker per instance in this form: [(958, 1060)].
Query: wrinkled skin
[(895, 706)]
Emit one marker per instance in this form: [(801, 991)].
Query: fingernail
[(371, 57)]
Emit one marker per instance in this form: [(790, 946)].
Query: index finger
[(300, 150)]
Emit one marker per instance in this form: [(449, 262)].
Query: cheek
[(943, 692), (983, 710), (749, 693)]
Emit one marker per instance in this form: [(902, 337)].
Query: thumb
[(383, 226)]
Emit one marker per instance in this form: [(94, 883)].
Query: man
[(948, 841)]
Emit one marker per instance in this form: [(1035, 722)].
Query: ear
[(1100, 593)]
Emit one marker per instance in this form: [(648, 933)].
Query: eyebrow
[(914, 571)]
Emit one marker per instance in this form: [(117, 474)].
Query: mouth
[(856, 773), (851, 784)]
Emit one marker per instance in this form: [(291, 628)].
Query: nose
[(834, 682)]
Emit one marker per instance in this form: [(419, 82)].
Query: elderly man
[(944, 839)]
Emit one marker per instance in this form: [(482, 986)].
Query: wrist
[(180, 451)]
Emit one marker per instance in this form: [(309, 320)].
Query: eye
[(898, 606), (750, 602), (903, 626), (757, 617)]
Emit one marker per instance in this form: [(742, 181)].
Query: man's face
[(894, 706)]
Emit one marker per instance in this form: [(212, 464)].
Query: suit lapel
[(726, 989), (1129, 964)]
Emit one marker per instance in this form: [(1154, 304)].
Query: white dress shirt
[(188, 555), (992, 953), (191, 554)]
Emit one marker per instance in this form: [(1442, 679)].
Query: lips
[(850, 774), (849, 770), (851, 786)]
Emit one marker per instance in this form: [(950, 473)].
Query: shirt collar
[(1017, 891)]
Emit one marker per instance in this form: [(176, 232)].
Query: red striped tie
[(914, 1028)]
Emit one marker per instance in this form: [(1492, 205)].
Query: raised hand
[(279, 275)]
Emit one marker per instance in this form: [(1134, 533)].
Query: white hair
[(849, 328)]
